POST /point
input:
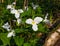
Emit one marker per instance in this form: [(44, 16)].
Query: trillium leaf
[(27, 44), (19, 41), (18, 30), (5, 40), (42, 28)]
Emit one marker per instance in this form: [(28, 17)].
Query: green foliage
[(25, 36), (27, 44), (5, 40), (19, 41)]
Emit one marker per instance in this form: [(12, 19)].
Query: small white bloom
[(34, 6), (34, 22), (18, 21), (16, 12), (6, 26), (10, 34), (47, 21), (9, 6)]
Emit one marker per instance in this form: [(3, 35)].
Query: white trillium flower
[(11, 6), (34, 6), (6, 26), (16, 12), (10, 34), (34, 22), (18, 21)]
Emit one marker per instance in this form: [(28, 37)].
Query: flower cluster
[(8, 28), (16, 13)]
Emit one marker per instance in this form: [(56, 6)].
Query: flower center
[(33, 22), (17, 12)]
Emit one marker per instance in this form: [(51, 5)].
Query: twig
[(25, 4)]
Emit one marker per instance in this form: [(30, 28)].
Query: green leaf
[(18, 30), (19, 41), (27, 44), (5, 40), (42, 28)]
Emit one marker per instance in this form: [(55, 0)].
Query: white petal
[(34, 27), (8, 29), (46, 16), (6, 26), (46, 21), (29, 21), (9, 6), (20, 10), (13, 11), (14, 3), (38, 20), (11, 34), (18, 21), (17, 15)]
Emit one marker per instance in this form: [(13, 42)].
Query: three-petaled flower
[(17, 12), (6, 26), (34, 22)]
